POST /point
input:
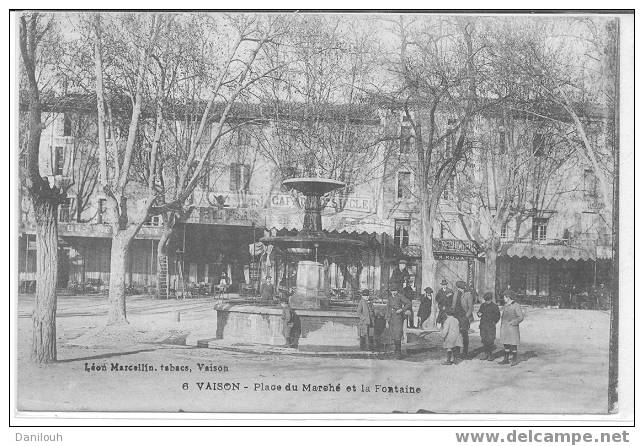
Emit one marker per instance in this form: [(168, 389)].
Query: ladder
[(182, 283), (163, 285)]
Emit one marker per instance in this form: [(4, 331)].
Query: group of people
[(456, 314)]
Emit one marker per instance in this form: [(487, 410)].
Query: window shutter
[(234, 177), (246, 176)]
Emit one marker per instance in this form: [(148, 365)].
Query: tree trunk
[(118, 263), (162, 262), (43, 347), (428, 271), (490, 271)]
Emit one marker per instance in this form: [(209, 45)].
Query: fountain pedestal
[(311, 287)]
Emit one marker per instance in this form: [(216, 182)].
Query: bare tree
[(439, 69), (516, 173), (573, 75), (197, 89), (37, 42), (128, 202), (84, 168)]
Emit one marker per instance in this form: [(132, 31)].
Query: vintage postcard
[(319, 212)]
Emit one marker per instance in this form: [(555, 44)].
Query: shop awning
[(365, 236), (555, 252)]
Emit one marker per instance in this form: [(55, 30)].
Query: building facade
[(241, 200)]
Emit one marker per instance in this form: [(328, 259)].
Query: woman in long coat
[(396, 307), (366, 320), (510, 337)]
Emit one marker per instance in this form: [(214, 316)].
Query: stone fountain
[(311, 291), (324, 326)]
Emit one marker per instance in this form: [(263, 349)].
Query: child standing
[(452, 340), (510, 320)]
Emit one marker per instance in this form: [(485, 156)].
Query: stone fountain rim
[(330, 184)]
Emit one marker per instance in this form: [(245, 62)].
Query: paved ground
[(563, 369)]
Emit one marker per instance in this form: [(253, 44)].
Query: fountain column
[(311, 290)]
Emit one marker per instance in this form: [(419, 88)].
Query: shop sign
[(285, 201), (232, 216), (98, 230), (351, 203), (453, 249)]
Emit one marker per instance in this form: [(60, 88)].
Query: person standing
[(409, 292), (366, 321), (443, 298), (463, 308), (510, 337), (489, 315), (396, 307), (268, 289), (425, 308), (290, 325), (450, 333), (399, 277)]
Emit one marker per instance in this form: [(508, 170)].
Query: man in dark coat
[(291, 328), (408, 292), (396, 307), (490, 315), (463, 307), (444, 298), (399, 277), (425, 308), (366, 321), (268, 289)]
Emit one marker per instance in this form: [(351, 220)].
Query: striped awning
[(554, 252)]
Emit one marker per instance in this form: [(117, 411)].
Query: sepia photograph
[(321, 212)]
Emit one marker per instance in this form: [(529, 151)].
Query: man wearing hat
[(444, 298), (291, 328), (463, 308), (399, 277), (366, 321), (397, 305), (425, 308)]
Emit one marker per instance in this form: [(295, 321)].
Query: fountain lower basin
[(334, 329)]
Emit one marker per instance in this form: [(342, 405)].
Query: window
[(405, 139), (502, 140), (67, 125), (443, 229), (566, 235), (450, 138), (59, 160), (239, 177), (404, 185), (65, 211), (401, 233), (538, 144), (205, 136), (590, 184), (153, 220), (539, 226), (204, 181), (243, 138), (449, 188), (101, 210), (504, 231)]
